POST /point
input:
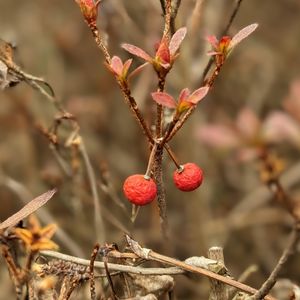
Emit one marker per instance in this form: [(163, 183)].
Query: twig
[(161, 198), (175, 8), (209, 82), (31, 80), (158, 174), (287, 253), (168, 15), (114, 267), (109, 279), (224, 32), (92, 273), (180, 268), (218, 290), (242, 278), (232, 17), (149, 254), (99, 224)]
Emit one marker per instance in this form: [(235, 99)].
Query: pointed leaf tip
[(137, 52), (164, 99), (198, 95), (242, 34), (212, 39), (116, 65), (28, 209), (163, 52), (177, 39)]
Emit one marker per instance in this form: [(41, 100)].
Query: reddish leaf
[(176, 40), (210, 53), (163, 52), (137, 52), (116, 65), (164, 99), (126, 67), (213, 41), (137, 70), (28, 209), (184, 94), (198, 95), (242, 34)]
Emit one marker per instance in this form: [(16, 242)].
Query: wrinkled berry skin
[(139, 190), (189, 178)]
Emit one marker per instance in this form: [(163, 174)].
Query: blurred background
[(232, 208)]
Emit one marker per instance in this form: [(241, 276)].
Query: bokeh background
[(232, 209)]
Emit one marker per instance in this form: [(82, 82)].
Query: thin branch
[(161, 196), (218, 290), (224, 32), (232, 17), (175, 8), (92, 273), (114, 267), (32, 81), (287, 253), (168, 15), (179, 267), (99, 224)]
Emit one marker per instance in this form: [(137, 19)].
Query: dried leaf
[(3, 75), (137, 52), (164, 99), (28, 209), (136, 248), (176, 40)]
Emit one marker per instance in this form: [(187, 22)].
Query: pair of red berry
[(141, 190)]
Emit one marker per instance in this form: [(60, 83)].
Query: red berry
[(188, 177), (139, 190)]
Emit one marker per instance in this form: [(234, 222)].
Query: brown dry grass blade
[(28, 209)]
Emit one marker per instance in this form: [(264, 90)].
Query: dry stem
[(180, 268), (287, 253), (99, 224)]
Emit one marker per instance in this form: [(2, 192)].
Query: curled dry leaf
[(136, 248), (35, 237)]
